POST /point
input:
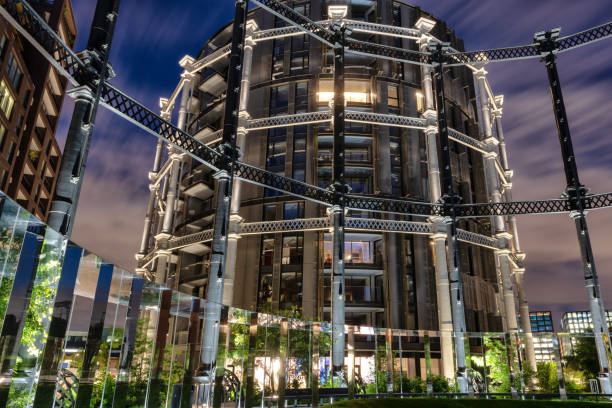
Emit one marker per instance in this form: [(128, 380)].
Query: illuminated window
[(355, 91), (293, 249), (6, 100), (420, 102), (393, 97)]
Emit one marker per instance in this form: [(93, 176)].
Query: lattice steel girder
[(385, 119), (389, 226), (304, 224), (211, 58), (382, 29), (466, 140), (23, 17), (387, 52), (120, 103), (393, 206), (477, 239), (280, 32), (513, 208), (197, 238), (291, 16), (584, 37), (493, 55), (290, 120)]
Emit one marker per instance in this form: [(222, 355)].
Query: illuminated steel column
[(519, 270), (76, 149), (340, 189), (243, 117), (206, 373), (495, 196), (450, 199), (575, 192), (445, 317)]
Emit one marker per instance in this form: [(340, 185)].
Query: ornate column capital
[(424, 25)]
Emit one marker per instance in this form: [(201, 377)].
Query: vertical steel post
[(575, 193), (449, 199), (207, 371), (337, 211), (65, 200)]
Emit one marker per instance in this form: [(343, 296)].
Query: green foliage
[(584, 357), (547, 377)]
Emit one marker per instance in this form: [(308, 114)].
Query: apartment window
[(18, 125), (26, 98), (3, 46), (279, 100), (357, 252), (290, 290), (300, 47), (278, 53), (3, 179), (293, 211), (420, 102), (393, 95), (13, 73), (300, 133), (267, 250), (6, 100), (11, 151), (2, 134), (355, 91), (293, 249), (269, 213), (396, 160)]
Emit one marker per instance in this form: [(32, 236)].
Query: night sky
[(151, 39)]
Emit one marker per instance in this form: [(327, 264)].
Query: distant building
[(542, 323), (31, 98), (581, 322)]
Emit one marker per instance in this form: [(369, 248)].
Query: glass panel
[(37, 320), (13, 224)]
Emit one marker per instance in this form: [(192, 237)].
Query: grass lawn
[(460, 403)]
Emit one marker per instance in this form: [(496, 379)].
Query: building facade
[(32, 94), (279, 248), (542, 328), (581, 322)]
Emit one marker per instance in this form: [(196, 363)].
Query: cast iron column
[(214, 295), (450, 199), (65, 200), (241, 134), (337, 211), (575, 193), (438, 239)]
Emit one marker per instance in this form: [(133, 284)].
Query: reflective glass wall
[(77, 331)]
